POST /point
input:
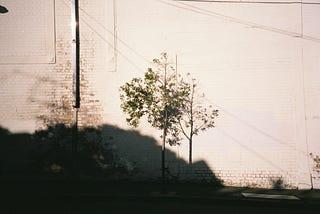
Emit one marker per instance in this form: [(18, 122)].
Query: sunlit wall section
[(247, 59), (311, 68), (34, 52)]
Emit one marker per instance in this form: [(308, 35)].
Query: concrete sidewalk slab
[(270, 196)]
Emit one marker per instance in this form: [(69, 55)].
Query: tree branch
[(184, 133)]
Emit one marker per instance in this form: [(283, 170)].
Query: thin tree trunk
[(190, 151), (163, 149), (191, 123), (165, 125)]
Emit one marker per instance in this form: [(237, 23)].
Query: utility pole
[(76, 80)]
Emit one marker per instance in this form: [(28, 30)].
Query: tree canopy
[(169, 102), (159, 95)]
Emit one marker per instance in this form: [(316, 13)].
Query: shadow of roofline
[(107, 153)]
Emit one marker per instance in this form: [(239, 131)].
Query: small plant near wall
[(316, 162), (196, 117), (168, 102), (277, 183), (160, 96), (315, 170)]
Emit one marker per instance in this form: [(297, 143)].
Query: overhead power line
[(83, 20), (206, 12), (113, 34)]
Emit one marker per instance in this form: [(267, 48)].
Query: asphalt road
[(94, 198), (131, 204)]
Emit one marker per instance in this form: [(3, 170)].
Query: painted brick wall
[(35, 95), (254, 68)]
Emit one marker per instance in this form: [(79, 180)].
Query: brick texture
[(264, 81)]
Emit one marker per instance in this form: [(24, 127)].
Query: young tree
[(196, 118), (160, 96)]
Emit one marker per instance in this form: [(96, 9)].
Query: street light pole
[(76, 53), (76, 80)]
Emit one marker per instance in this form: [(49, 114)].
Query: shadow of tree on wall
[(107, 152)]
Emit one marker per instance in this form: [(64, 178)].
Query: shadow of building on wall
[(107, 152)]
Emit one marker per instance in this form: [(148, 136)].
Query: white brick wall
[(252, 65), (28, 32)]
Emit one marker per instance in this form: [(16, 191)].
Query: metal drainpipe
[(76, 80)]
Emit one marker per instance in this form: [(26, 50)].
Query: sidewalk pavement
[(92, 189)]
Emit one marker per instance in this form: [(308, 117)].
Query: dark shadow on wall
[(107, 152)]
